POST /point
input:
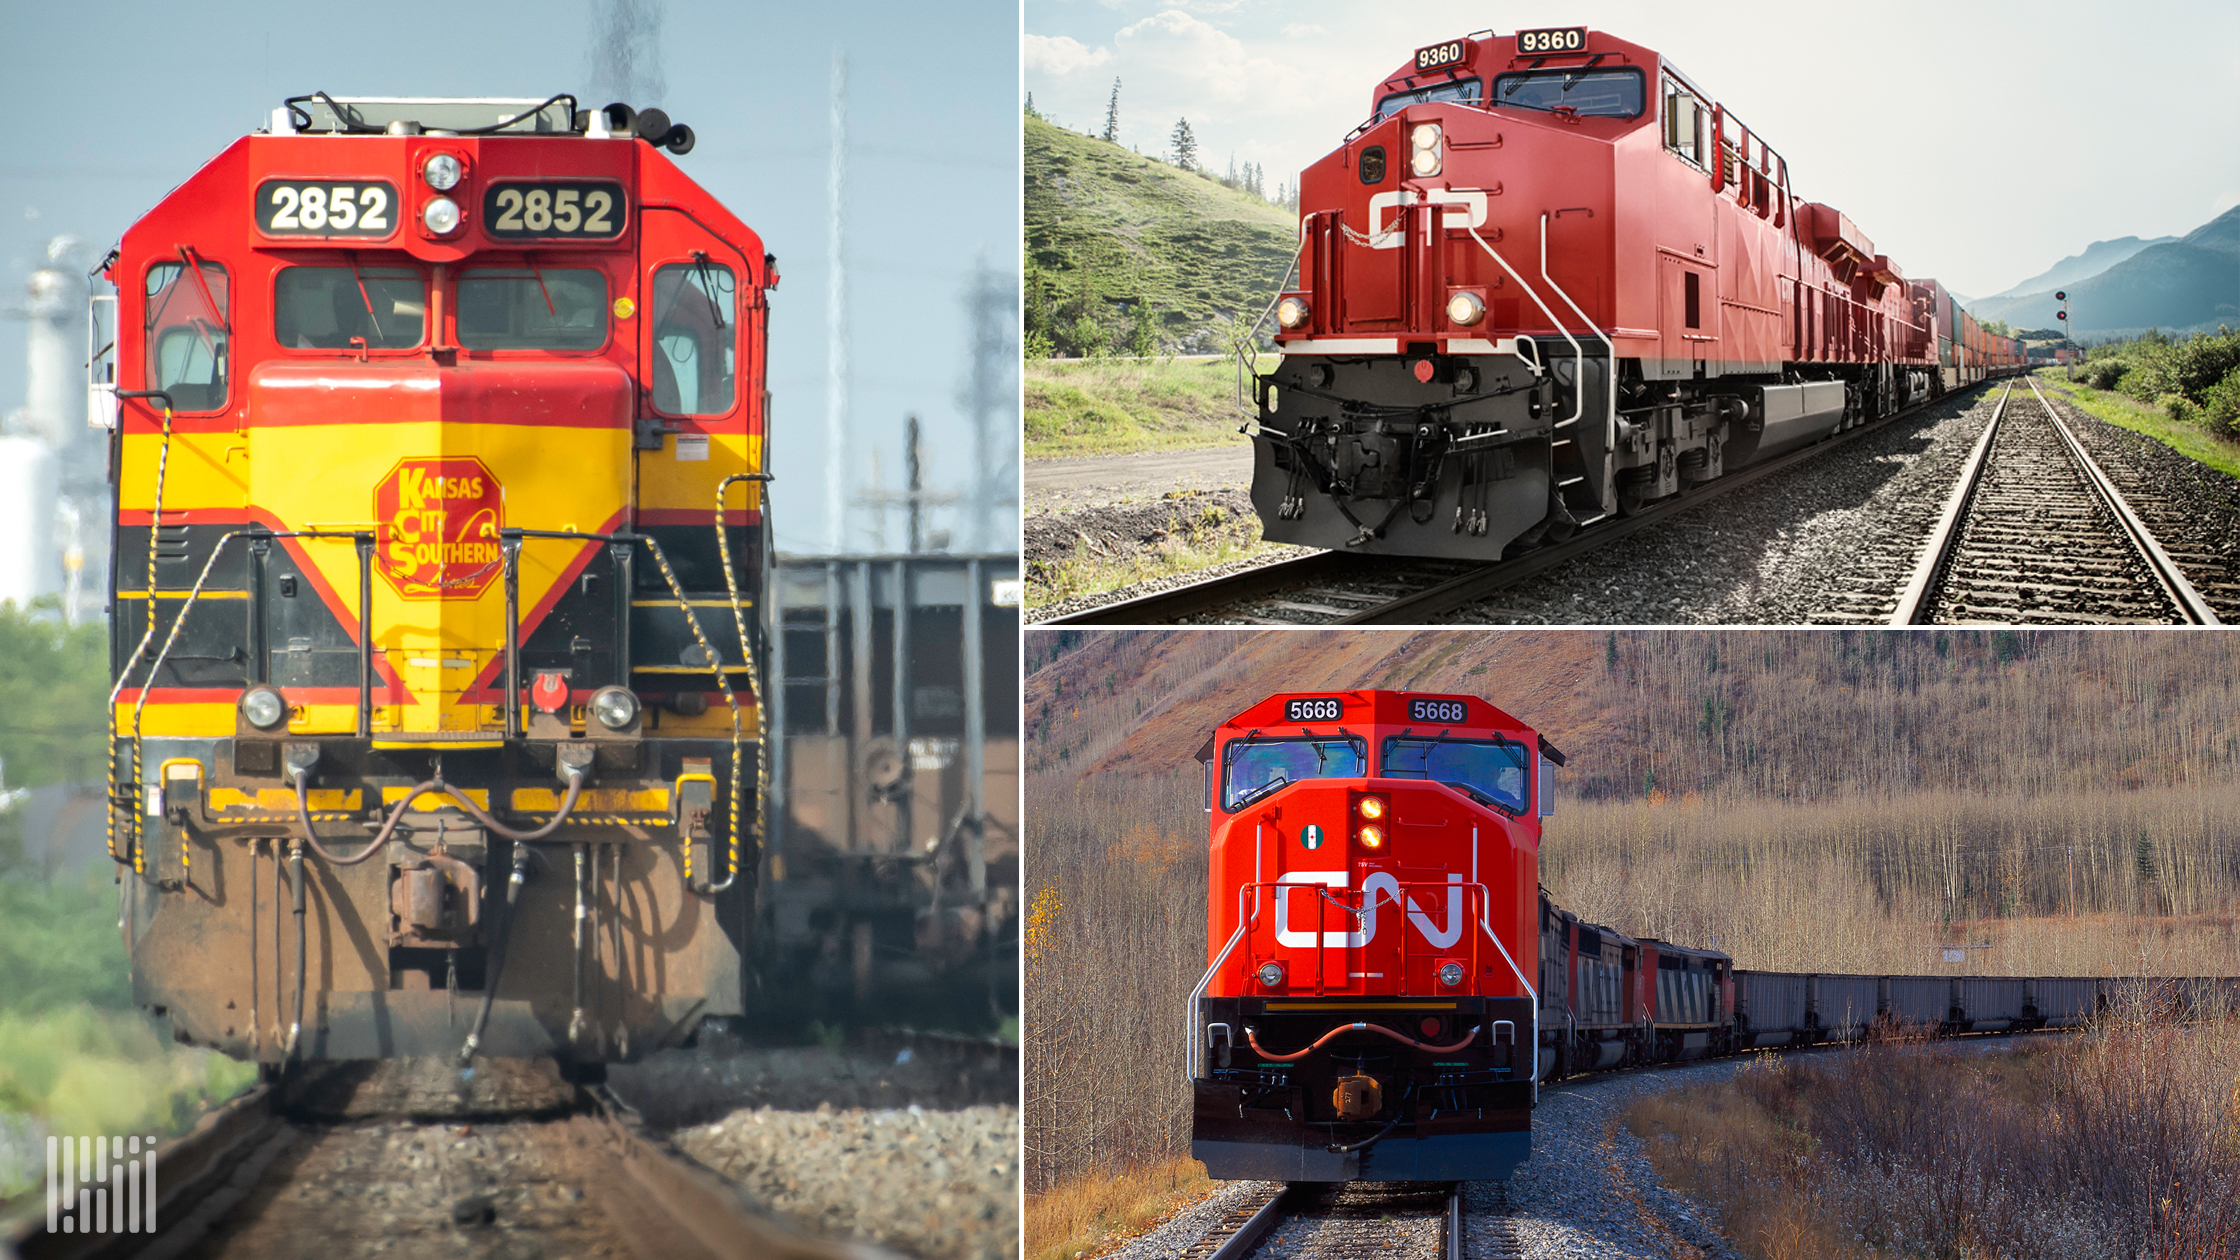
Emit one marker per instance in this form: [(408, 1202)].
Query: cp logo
[(438, 523)]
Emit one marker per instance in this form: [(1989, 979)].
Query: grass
[(1085, 1213), (1121, 406), (1214, 537), (2118, 1142), (2187, 438)]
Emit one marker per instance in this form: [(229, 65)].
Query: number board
[(1555, 39), (319, 207), (1448, 711), (1314, 709), (567, 209), (1440, 56)]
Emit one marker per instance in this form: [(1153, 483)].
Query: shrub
[(2105, 373), (2220, 404)]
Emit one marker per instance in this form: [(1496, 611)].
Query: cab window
[(695, 338), (1257, 767), (1683, 123), (344, 308), (186, 334), (533, 308), (1465, 91), (1589, 93), (1491, 772)]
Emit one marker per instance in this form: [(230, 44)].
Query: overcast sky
[(117, 102), (1977, 143)]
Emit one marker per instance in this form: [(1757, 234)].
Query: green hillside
[(1115, 240)]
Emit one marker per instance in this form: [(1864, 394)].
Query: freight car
[(1551, 280), (436, 430), (1387, 985)]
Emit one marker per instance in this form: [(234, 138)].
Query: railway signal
[(2062, 296)]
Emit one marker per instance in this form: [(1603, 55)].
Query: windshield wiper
[(1258, 792), (1567, 83)]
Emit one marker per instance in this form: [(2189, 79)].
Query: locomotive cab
[(436, 433), (1367, 1012)]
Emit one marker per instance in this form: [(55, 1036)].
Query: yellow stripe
[(725, 604), (284, 800), (177, 719), (595, 800), (439, 744), (428, 801), (183, 592), (684, 669)]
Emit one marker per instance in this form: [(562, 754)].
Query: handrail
[(1578, 355), (1609, 350)]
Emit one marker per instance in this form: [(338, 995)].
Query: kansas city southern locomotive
[(1552, 280), (436, 434), (1387, 984)]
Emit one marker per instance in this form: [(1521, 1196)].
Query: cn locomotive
[(1551, 280), (436, 435), (1387, 984)]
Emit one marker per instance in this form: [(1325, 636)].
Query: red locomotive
[(1552, 280), (1367, 1010), (433, 621)]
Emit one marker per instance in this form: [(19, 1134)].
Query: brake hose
[(514, 881), (576, 776), (1252, 1037), (381, 837)]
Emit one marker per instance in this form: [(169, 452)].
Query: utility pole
[(836, 317)]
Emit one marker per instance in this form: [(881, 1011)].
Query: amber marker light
[(1372, 836), (1372, 807)]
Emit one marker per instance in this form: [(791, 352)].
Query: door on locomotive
[(424, 643), (1372, 913)]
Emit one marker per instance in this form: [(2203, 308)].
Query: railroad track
[(1357, 1220), (2036, 532), (1342, 588), (271, 1173)]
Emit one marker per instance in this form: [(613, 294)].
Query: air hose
[(295, 876), (1252, 1037), (497, 966), (381, 837)]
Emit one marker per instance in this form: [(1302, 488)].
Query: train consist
[(436, 432), (1551, 280), (1387, 985)]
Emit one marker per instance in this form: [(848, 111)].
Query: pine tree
[(1112, 114), (1030, 106), (1185, 145)]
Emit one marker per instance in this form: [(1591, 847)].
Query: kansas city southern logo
[(438, 523)]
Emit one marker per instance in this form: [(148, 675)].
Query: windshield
[(1468, 91), (328, 308), (533, 308), (1595, 93), (1259, 767), (1493, 771)]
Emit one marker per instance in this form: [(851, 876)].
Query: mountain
[(1110, 232), (2184, 285), (2096, 258)]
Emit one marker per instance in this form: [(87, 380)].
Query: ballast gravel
[(942, 1185)]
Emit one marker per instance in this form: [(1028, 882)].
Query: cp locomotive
[(1387, 984), (1551, 280), (436, 434)]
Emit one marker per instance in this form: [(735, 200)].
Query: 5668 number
[(549, 209), (1450, 711), (1314, 709)]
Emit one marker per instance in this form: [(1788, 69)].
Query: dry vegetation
[(1808, 800), (2124, 1142)]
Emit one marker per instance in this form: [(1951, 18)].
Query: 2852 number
[(301, 207), (1449, 711), (1314, 709), (554, 209)]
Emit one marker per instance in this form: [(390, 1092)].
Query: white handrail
[(1609, 348), (1578, 356)]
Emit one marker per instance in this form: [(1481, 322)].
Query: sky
[(1976, 143), (133, 95)]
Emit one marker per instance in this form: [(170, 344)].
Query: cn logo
[(1375, 891), (438, 523), (1468, 210)]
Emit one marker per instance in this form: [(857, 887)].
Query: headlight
[(1466, 309), (1292, 312), (1450, 974), (1271, 974), (441, 216), (1372, 807), (1372, 836), (264, 708), (615, 707), (441, 172), (1425, 160)]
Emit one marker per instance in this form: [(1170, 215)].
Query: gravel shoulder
[(1070, 483)]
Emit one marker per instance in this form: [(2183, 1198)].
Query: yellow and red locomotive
[(1552, 280), (1368, 1011), (437, 433)]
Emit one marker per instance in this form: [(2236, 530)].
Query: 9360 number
[(305, 207), (1449, 711), (1440, 56), (1314, 709), (1555, 39), (554, 209)]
